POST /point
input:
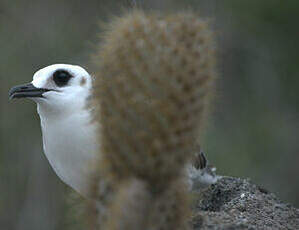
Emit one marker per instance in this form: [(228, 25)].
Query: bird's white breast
[(70, 146)]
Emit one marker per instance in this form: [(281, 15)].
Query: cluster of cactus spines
[(136, 207), (170, 209), (130, 206), (155, 77)]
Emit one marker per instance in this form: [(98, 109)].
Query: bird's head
[(57, 87)]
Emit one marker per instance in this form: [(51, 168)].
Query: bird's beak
[(26, 90)]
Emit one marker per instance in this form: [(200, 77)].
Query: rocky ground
[(234, 203)]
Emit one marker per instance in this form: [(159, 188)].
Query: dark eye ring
[(61, 77)]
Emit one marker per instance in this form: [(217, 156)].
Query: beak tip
[(12, 93)]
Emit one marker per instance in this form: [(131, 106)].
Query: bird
[(70, 135), (61, 92)]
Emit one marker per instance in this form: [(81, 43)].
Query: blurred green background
[(252, 133)]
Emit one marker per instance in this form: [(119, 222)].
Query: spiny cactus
[(153, 86), (155, 77)]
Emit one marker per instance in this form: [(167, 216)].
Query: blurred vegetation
[(253, 131)]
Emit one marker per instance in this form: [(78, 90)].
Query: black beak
[(27, 90)]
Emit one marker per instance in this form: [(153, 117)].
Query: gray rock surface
[(234, 203)]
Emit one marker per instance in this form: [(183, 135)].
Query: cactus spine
[(155, 78)]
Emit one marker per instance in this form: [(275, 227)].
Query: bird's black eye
[(61, 78)]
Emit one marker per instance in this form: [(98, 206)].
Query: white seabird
[(69, 137), (70, 141)]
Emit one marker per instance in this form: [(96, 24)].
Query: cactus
[(155, 78)]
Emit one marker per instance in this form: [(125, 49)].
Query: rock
[(234, 203)]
